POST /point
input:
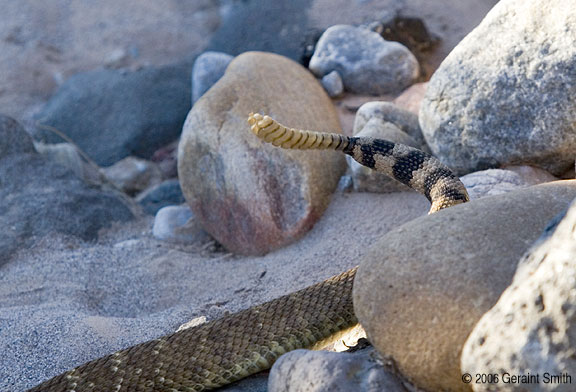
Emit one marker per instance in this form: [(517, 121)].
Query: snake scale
[(238, 345)]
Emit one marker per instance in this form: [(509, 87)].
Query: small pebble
[(332, 83), (177, 224)]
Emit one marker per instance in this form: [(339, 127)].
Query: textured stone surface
[(250, 196), (367, 63), (111, 114), (422, 287), (322, 371), (332, 83), (387, 111), (40, 196), (507, 93), (496, 181), (532, 328), (365, 179), (162, 195), (208, 69), (133, 175)]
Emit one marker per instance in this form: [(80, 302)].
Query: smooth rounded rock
[(421, 289), (250, 196), (164, 194), (177, 224), (208, 69), (322, 371), (389, 112), (507, 93), (367, 63), (496, 181), (111, 114), (531, 330)]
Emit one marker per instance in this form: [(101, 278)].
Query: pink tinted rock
[(411, 97), (250, 196)]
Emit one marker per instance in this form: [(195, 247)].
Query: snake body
[(233, 347)]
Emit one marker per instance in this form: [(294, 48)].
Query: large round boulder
[(422, 288), (250, 196)]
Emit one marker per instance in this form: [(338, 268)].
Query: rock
[(502, 98), (332, 83), (413, 33), (13, 138), (322, 371), (111, 114), (133, 175), (367, 63), (208, 69), (386, 111), (161, 195), (421, 289), (68, 156), (532, 175), (41, 197), (365, 179), (496, 181), (166, 159), (177, 224), (411, 98), (282, 27), (250, 196), (531, 330)]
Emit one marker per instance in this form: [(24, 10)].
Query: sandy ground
[(64, 302)]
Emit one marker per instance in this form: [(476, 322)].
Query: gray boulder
[(422, 287), (40, 196), (367, 63), (208, 68), (111, 114), (507, 93), (532, 328)]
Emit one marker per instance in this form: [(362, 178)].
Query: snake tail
[(417, 169)]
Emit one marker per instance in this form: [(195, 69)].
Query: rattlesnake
[(238, 345)]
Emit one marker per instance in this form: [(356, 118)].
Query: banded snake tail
[(420, 171), (220, 352)]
